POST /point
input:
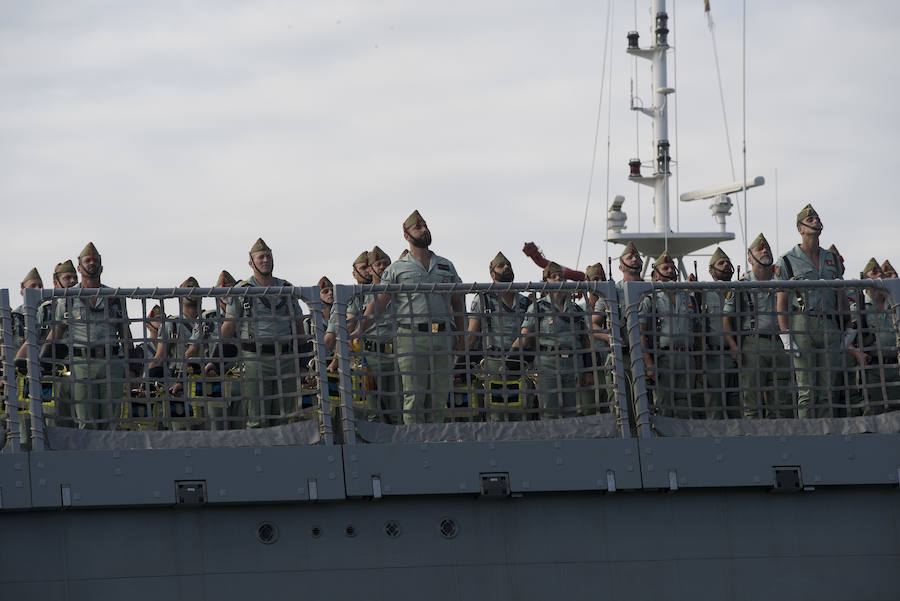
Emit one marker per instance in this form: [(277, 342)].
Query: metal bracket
[(495, 485), (190, 492)]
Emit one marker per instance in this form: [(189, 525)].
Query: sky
[(173, 134)]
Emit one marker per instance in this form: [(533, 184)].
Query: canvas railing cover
[(94, 368)]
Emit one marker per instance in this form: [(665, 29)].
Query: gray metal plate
[(750, 461), (533, 466), (139, 477), (15, 481)]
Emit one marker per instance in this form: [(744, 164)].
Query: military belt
[(265, 349), (435, 326), (375, 347), (94, 352)]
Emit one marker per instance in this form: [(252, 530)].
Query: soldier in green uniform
[(752, 336), (556, 326), (97, 327), (717, 369), (879, 380), (425, 322), (64, 275), (32, 280), (495, 322), (266, 327), (668, 319), (593, 399), (809, 321), (361, 275)]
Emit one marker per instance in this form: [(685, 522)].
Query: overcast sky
[(173, 134)]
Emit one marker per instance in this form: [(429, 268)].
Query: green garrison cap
[(66, 267), (665, 257), (805, 212), (225, 280), (552, 268), (363, 258), (872, 264), (759, 243), (631, 249), (324, 282), (717, 256), (89, 251), (33, 275), (259, 245), (155, 312), (500, 258), (886, 267), (595, 270), (412, 220), (376, 254), (190, 282)]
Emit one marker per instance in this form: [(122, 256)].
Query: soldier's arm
[(781, 300), (473, 329), (598, 327)]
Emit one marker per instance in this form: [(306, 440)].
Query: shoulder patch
[(443, 267), (777, 270), (829, 262)]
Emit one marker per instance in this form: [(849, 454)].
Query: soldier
[(101, 340), (424, 338), (668, 319), (594, 399), (888, 271), (64, 275), (32, 280), (495, 322), (631, 265), (718, 369), (755, 344), (361, 275), (326, 296), (809, 319), (379, 382), (557, 327), (267, 327), (879, 380)]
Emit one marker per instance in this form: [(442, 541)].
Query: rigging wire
[(637, 125), (712, 33), (608, 143), (675, 118), (587, 202), (744, 120)]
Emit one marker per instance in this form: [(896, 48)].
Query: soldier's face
[(502, 272), (666, 271), (631, 263), (326, 295), (761, 256), (875, 273), (810, 225), (380, 265), (66, 280), (361, 273), (31, 284), (419, 235), (722, 270), (889, 275), (90, 266), (262, 262)]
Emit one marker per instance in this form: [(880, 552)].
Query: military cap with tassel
[(595, 270), (89, 251), (362, 257), (412, 220), (760, 243), (65, 267), (259, 245), (32, 275), (500, 258), (806, 212), (631, 249), (190, 282), (226, 280), (376, 254), (872, 264), (552, 268), (887, 268), (324, 283), (665, 257), (718, 256)]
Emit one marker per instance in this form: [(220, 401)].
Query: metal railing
[(447, 361)]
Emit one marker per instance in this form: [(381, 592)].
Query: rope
[(587, 202)]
